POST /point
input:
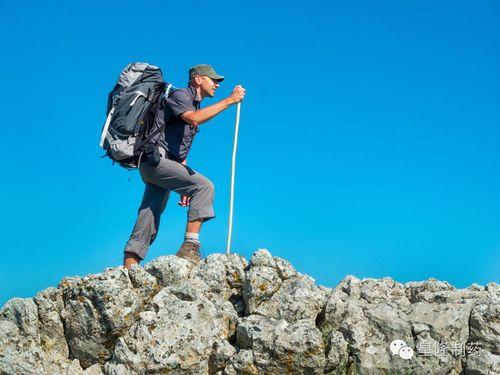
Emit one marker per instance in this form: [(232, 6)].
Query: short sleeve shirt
[(179, 135)]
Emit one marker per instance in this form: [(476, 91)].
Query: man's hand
[(238, 94), (184, 202)]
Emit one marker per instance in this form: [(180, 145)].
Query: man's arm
[(196, 118)]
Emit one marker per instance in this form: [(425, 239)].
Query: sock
[(192, 237)]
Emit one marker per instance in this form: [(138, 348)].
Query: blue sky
[(369, 137)]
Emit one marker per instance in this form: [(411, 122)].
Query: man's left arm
[(201, 116)]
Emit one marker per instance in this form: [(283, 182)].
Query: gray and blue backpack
[(132, 106)]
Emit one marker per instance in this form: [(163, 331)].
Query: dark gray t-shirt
[(178, 136)]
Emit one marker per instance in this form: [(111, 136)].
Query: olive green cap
[(204, 70)]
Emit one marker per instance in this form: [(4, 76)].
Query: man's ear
[(197, 79)]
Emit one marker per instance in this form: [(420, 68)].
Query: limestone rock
[(241, 363), (224, 274), (31, 337), (98, 310), (177, 336), (50, 306), (431, 318), (222, 351), (280, 347), (337, 355), (20, 350), (274, 289), (484, 342), (169, 270), (93, 370), (227, 316), (297, 298)]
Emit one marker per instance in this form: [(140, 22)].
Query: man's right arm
[(196, 118)]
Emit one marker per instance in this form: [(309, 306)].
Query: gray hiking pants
[(168, 176)]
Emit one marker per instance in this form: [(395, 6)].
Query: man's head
[(204, 78)]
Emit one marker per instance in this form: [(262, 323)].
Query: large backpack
[(132, 106)]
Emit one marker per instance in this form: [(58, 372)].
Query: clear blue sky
[(369, 138)]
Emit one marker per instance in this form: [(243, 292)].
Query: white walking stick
[(232, 177)]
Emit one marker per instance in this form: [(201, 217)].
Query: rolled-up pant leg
[(168, 176), (147, 224)]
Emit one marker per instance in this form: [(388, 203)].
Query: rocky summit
[(228, 316)]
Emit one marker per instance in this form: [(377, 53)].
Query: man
[(164, 168)]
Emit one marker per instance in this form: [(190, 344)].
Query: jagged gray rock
[(431, 317), (32, 340), (178, 335), (242, 363), (227, 316), (485, 329), (279, 346), (274, 289), (98, 310)]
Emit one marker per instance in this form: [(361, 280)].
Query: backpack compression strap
[(106, 127), (161, 128)]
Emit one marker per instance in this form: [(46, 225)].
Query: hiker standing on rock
[(164, 168)]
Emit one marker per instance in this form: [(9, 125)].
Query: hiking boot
[(190, 251)]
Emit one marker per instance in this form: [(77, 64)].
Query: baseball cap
[(204, 70)]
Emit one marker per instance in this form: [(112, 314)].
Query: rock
[(169, 270), (285, 269), (483, 346), (31, 337), (431, 317), (274, 289), (98, 310), (260, 285), (227, 316), (262, 258), (337, 355), (50, 306), (143, 282), (241, 363), (223, 274), (297, 298), (178, 336), (23, 313), (222, 351), (279, 346), (52, 339), (20, 353), (93, 370)]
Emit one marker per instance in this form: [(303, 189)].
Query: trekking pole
[(231, 200)]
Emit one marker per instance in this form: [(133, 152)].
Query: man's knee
[(207, 186)]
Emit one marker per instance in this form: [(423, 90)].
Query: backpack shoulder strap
[(168, 90)]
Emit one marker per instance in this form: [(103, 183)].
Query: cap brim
[(217, 77)]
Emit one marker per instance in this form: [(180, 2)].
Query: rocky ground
[(228, 316)]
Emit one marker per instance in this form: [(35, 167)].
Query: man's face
[(208, 86)]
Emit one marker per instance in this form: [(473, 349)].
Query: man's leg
[(146, 227), (171, 175), (200, 210), (130, 259), (193, 226), (190, 248)]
